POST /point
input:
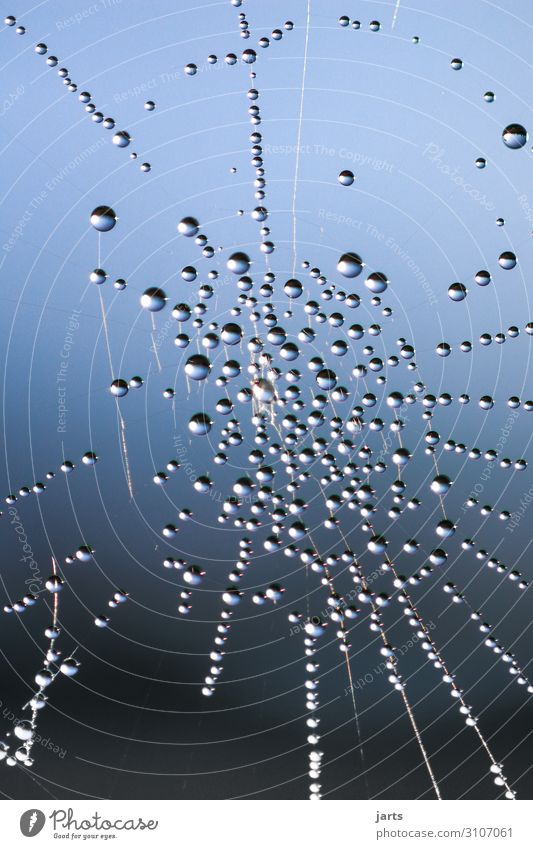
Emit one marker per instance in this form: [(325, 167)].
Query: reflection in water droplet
[(153, 299), (346, 178), (103, 218), (121, 139), (457, 292), (200, 424), (515, 136), (350, 265), (238, 263), (507, 260)]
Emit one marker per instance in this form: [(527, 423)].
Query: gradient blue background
[(133, 722)]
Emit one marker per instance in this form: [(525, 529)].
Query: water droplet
[(346, 178), (200, 424), (238, 263), (122, 138), (153, 299), (507, 260), (103, 218), (457, 292), (515, 136), (350, 265)]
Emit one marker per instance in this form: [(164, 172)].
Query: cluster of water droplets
[(316, 446)]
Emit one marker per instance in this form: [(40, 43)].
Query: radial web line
[(300, 121)]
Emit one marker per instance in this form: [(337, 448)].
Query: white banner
[(357, 824)]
